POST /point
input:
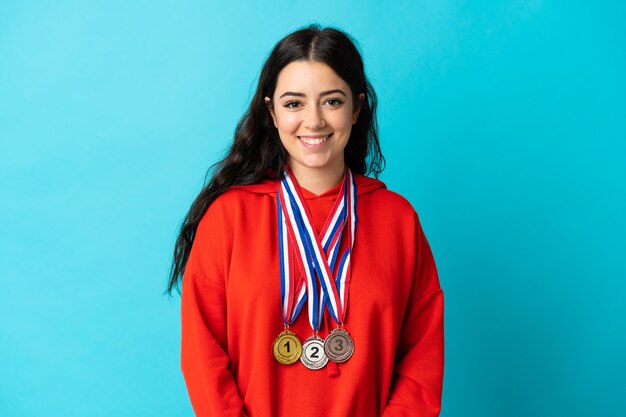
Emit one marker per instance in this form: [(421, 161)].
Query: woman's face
[(313, 110)]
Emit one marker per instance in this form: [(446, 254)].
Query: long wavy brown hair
[(257, 150)]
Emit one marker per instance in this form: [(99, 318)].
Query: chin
[(315, 163)]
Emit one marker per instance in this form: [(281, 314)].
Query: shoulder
[(237, 194), (237, 200), (375, 195), (393, 200)]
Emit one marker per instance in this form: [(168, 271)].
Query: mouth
[(314, 141)]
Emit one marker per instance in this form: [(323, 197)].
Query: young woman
[(308, 288)]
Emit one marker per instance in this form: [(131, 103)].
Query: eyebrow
[(323, 93)]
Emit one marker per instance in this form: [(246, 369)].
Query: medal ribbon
[(308, 285), (332, 232), (313, 255), (286, 240), (287, 287)]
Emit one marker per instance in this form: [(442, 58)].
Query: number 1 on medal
[(283, 350)]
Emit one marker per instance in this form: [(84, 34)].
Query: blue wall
[(503, 122)]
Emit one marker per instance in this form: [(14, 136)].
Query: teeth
[(314, 141)]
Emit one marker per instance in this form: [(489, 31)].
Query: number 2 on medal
[(287, 346), (315, 350), (340, 343)]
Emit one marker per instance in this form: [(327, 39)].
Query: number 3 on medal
[(338, 345)]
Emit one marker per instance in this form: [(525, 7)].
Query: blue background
[(503, 122)]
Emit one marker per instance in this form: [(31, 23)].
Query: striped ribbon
[(319, 285)]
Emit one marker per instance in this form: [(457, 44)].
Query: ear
[(357, 107), (270, 107)]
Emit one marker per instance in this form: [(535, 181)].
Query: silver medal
[(313, 356), (339, 346)]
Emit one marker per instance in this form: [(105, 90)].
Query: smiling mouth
[(309, 141)]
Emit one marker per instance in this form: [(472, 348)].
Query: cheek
[(342, 119), (287, 121)]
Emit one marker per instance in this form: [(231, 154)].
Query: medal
[(313, 356), (287, 347), (317, 260), (339, 346)]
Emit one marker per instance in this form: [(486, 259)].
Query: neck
[(318, 181)]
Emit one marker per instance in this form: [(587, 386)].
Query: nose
[(313, 118)]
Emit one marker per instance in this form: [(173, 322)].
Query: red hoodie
[(231, 313)]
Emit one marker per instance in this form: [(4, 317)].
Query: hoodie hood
[(364, 185)]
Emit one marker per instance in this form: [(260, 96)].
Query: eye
[(292, 104), (334, 102)]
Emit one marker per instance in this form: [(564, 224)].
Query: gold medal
[(287, 347)]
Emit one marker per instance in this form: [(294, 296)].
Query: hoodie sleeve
[(418, 371), (204, 350)]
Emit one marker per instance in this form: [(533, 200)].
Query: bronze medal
[(313, 356), (287, 347), (339, 345)]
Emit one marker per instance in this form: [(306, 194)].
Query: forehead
[(308, 77)]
